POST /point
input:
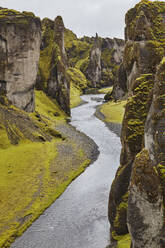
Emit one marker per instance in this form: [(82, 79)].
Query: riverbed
[(78, 219)]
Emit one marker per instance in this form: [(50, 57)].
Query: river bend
[(78, 219)]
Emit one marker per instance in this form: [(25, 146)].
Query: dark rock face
[(136, 197), (20, 38), (93, 73), (144, 34), (111, 57), (52, 76), (105, 58), (145, 210)]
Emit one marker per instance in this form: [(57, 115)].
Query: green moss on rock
[(145, 21), (136, 112)]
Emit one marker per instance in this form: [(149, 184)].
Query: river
[(78, 219)]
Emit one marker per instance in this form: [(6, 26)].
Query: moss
[(49, 56), (48, 108), (75, 93), (113, 111), (78, 78), (107, 58), (82, 64), (137, 110), (76, 49), (78, 84), (124, 242), (10, 16), (69, 36), (153, 11), (143, 176), (121, 212), (39, 166), (105, 90)]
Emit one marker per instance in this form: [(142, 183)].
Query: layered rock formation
[(136, 203), (52, 76), (20, 38)]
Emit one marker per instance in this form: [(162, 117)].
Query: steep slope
[(137, 193), (52, 77)]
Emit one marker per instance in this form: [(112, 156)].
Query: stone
[(52, 76), (142, 136), (94, 67), (20, 38)]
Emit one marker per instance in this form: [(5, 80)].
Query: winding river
[(78, 219)]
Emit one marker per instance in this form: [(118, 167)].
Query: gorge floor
[(79, 217)]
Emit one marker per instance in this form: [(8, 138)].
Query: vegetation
[(46, 177), (105, 90), (113, 111), (78, 83)]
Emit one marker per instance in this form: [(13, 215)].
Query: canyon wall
[(136, 202), (97, 58), (52, 76), (20, 38)]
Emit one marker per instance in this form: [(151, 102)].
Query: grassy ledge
[(75, 94), (112, 112), (105, 90)]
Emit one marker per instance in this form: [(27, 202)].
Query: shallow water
[(78, 219)]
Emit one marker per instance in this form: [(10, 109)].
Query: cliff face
[(93, 72), (97, 58), (136, 203), (20, 37), (111, 58), (52, 76)]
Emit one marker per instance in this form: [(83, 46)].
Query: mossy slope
[(33, 169)]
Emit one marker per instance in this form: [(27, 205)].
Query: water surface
[(78, 219)]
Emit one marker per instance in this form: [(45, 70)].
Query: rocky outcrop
[(93, 72), (137, 193), (144, 45), (20, 38), (111, 58), (52, 76), (97, 58)]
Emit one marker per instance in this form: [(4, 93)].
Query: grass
[(75, 99), (34, 174), (113, 111), (105, 90), (48, 108), (124, 242)]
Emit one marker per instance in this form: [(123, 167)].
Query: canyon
[(44, 71)]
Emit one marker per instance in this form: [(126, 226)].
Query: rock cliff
[(136, 202), (20, 38), (97, 58), (93, 72), (52, 77), (111, 58)]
